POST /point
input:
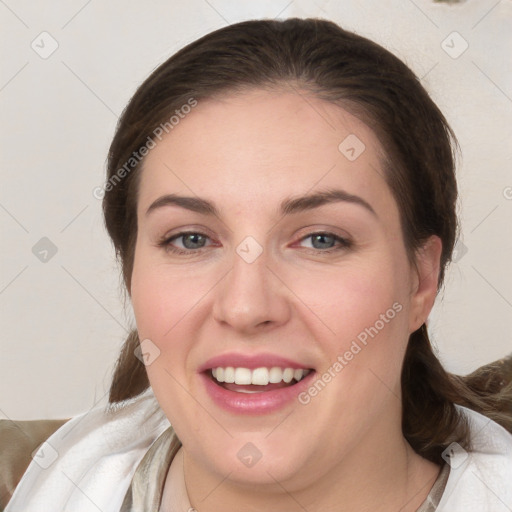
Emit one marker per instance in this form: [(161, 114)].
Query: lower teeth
[(254, 387)]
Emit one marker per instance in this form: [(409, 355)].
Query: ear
[(424, 278)]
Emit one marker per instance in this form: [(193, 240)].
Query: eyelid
[(344, 242), (186, 230), (325, 230), (184, 233), (165, 241)]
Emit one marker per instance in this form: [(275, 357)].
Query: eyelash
[(165, 243)]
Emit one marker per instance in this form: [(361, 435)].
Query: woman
[(281, 196)]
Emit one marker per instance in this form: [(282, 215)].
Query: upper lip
[(252, 361)]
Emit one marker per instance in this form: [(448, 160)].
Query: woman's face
[(294, 260)]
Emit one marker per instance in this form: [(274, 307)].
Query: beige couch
[(18, 440)]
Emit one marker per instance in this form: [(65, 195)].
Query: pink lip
[(255, 403), (252, 403), (251, 362)]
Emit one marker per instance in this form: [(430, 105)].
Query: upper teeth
[(259, 376)]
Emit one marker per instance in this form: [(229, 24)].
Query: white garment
[(99, 451), (481, 480)]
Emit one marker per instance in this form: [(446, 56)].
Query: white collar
[(481, 480)]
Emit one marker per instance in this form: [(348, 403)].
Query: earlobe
[(425, 281)]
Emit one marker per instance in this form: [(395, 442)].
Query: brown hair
[(343, 68)]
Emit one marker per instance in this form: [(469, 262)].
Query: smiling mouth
[(258, 380)]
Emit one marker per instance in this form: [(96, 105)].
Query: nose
[(251, 297)]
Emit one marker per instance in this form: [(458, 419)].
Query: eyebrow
[(288, 206)]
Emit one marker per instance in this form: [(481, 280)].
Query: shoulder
[(18, 440), (100, 448), (480, 478)]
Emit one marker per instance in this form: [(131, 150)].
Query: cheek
[(360, 321), (170, 307), (161, 306), (163, 297), (343, 302), (363, 357), (158, 306)]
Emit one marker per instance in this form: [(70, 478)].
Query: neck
[(381, 474)]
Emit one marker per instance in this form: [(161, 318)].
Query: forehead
[(256, 147)]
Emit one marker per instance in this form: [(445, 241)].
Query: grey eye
[(322, 241), (193, 240)]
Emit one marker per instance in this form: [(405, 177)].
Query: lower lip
[(254, 403)]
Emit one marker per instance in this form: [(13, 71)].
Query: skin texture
[(246, 153)]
